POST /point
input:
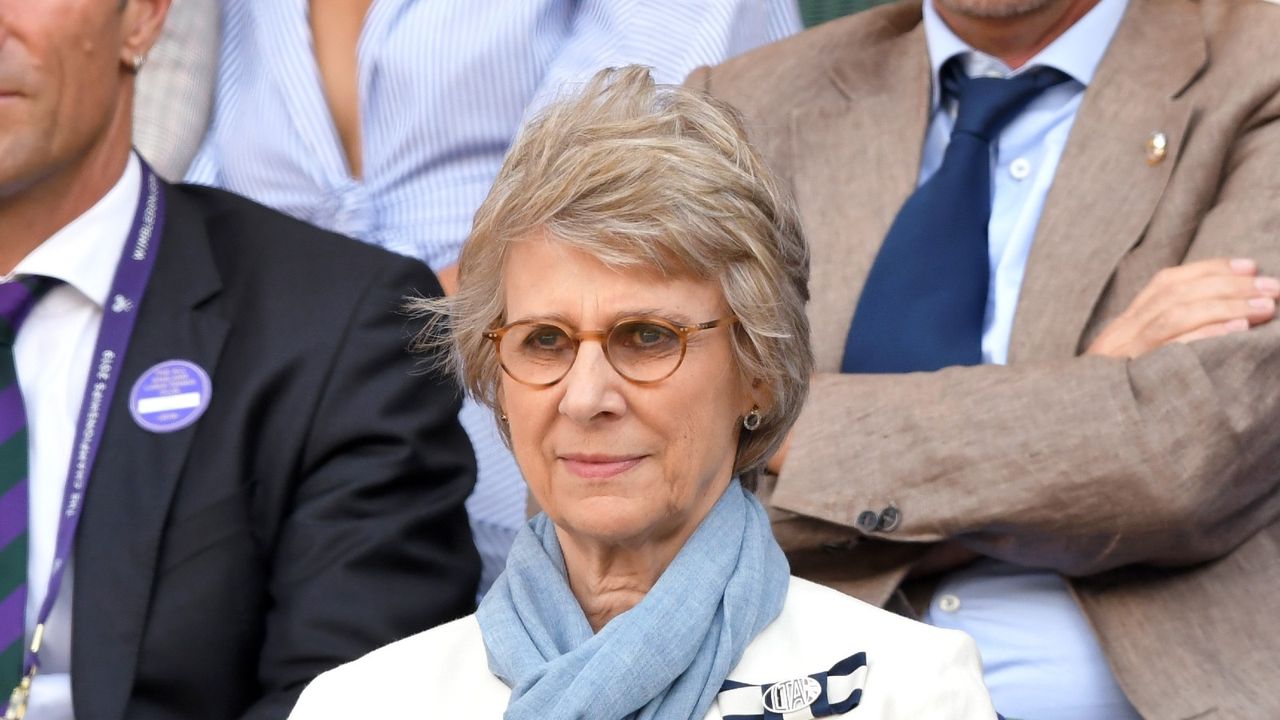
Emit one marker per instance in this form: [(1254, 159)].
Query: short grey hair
[(641, 175)]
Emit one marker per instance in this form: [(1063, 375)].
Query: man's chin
[(18, 170), (995, 9), (16, 176)]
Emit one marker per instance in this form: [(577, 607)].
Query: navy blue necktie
[(923, 305)]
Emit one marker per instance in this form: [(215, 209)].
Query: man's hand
[(1190, 302)]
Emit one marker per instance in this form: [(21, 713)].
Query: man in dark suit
[(263, 486)]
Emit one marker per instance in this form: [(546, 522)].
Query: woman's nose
[(591, 388)]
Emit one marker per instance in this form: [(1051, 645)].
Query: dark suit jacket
[(314, 513), (1152, 483)]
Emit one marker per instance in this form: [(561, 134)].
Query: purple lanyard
[(118, 319)]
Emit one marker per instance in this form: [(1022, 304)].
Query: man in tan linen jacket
[(1149, 475)]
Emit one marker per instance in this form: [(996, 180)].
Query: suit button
[(868, 520), (890, 519)]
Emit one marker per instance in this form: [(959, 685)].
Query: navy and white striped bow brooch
[(823, 694)]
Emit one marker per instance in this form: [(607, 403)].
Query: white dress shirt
[(52, 353)]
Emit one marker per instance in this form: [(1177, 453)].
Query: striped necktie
[(16, 300)]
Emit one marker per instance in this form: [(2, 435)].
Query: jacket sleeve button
[(868, 520), (890, 519)]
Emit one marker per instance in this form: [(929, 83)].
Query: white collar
[(85, 252)]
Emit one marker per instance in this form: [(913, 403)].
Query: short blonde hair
[(641, 175)]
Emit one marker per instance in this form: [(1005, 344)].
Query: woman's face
[(611, 461)]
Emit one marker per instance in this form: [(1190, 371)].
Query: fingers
[(1207, 298), (1190, 316), (1208, 284), (1222, 287), (1261, 309), (1179, 275), (1214, 330)]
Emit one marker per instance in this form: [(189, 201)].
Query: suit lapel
[(1105, 191), (856, 160), (133, 483)]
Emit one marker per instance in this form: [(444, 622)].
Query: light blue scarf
[(665, 658)]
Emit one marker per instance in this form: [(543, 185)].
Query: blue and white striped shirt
[(443, 86)]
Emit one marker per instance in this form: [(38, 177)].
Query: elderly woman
[(632, 307)]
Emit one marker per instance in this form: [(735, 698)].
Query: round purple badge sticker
[(170, 396)]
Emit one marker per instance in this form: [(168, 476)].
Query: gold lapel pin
[(1157, 146)]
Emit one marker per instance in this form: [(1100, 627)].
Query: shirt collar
[(85, 252), (1076, 52)]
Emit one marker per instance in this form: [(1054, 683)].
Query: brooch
[(833, 692)]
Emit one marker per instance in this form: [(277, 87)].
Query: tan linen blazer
[(1153, 484)]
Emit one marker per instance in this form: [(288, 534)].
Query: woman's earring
[(752, 420), (138, 61), (503, 418)]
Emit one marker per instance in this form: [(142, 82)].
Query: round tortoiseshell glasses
[(643, 350)]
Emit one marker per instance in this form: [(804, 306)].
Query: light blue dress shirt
[(444, 85), (1041, 659)]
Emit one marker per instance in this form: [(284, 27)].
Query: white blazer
[(912, 670)]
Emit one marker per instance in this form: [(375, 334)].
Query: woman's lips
[(599, 467)]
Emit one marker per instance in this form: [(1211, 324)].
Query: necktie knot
[(16, 300), (987, 105), (924, 302)]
